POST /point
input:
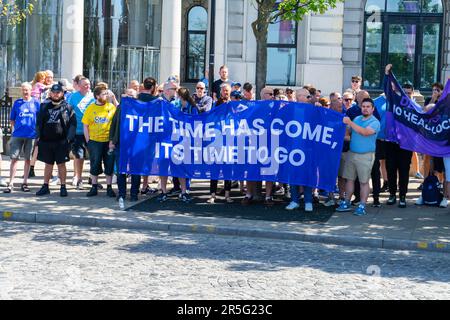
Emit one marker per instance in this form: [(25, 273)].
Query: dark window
[(406, 33), (282, 53), (196, 43), (115, 26)]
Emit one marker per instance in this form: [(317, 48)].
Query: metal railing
[(5, 113)]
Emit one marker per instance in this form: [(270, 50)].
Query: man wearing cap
[(236, 96), (204, 102), (56, 127), (236, 86)]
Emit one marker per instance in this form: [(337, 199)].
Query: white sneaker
[(3, 182), (309, 207), (54, 181), (444, 203), (211, 200), (74, 181), (121, 204), (292, 206), (80, 185), (419, 202), (330, 203)]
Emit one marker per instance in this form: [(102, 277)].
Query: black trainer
[(376, 203), (392, 200), (32, 174), (45, 190), (402, 203), (163, 197), (186, 198), (174, 192), (63, 192), (93, 192), (110, 192)]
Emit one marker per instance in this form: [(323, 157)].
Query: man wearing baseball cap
[(56, 126)]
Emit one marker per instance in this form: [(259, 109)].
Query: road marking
[(7, 215)]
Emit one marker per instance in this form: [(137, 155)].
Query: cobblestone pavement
[(61, 262)]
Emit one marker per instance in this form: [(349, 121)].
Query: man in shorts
[(79, 102), (23, 121), (361, 157), (56, 128)]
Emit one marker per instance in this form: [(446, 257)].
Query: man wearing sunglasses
[(303, 96), (356, 84), (203, 101)]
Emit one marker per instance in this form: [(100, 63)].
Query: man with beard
[(363, 131), (56, 126)]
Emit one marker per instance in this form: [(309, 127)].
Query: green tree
[(15, 13), (272, 11)]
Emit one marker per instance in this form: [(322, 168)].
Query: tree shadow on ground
[(257, 211)]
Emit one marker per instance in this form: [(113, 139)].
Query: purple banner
[(413, 129)]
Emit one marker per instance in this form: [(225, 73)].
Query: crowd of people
[(55, 119)]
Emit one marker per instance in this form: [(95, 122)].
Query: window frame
[(194, 32), (284, 46), (420, 19)]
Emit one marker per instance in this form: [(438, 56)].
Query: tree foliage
[(15, 13)]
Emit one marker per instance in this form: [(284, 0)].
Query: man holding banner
[(360, 159)]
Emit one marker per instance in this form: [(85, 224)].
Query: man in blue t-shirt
[(23, 121), (363, 131), (79, 101)]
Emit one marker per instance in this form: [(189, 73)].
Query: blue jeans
[(295, 194)]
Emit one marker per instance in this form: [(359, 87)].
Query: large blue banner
[(253, 141)]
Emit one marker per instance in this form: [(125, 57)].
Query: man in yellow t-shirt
[(97, 124)]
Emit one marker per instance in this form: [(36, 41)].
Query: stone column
[(72, 39), (170, 56)]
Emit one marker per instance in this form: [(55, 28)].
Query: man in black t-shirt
[(56, 128), (218, 84)]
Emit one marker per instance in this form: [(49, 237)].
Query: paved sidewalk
[(416, 228)]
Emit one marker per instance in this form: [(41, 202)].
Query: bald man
[(303, 96), (135, 85)]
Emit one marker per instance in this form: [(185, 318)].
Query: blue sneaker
[(361, 211), (345, 206)]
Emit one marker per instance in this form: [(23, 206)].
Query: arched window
[(196, 43), (406, 33)]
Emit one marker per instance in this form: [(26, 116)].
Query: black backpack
[(431, 194)]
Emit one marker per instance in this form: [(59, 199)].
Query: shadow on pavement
[(257, 211)]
